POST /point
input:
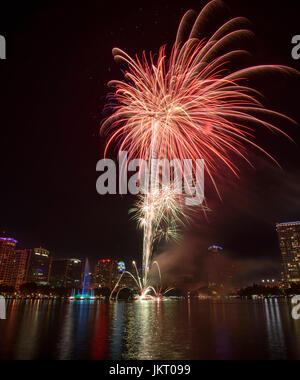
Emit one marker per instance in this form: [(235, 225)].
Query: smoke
[(190, 266)]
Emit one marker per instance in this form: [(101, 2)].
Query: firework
[(187, 105)]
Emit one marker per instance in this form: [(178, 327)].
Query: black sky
[(53, 88)]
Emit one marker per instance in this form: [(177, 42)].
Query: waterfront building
[(67, 273), (215, 275), (39, 266), (21, 267), (121, 267), (219, 271), (7, 261), (289, 242), (106, 273)]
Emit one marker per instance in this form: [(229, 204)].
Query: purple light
[(215, 247), (8, 239), (288, 224)]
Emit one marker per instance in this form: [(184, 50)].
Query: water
[(183, 329)]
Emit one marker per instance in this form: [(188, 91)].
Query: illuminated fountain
[(87, 294), (145, 290)]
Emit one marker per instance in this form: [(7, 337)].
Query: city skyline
[(25, 266), (37, 265)]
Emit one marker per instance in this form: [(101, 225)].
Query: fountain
[(87, 294), (158, 293)]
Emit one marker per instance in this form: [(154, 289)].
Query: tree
[(28, 288), (4, 289)]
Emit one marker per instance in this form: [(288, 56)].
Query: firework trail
[(159, 213), (188, 105)]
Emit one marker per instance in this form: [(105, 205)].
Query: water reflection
[(117, 330), (64, 346), (188, 329), (277, 348), (100, 344), (222, 338)]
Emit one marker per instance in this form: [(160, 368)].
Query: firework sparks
[(187, 105), (164, 206)]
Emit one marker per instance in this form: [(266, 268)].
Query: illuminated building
[(106, 273), (66, 273), (121, 267), (21, 266), (215, 249), (7, 261), (289, 242), (39, 266), (219, 271), (215, 267)]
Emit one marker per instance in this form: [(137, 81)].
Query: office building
[(219, 270), (21, 267), (39, 266), (7, 261), (289, 242), (67, 273), (106, 273)]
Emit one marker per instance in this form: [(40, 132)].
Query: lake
[(173, 329)]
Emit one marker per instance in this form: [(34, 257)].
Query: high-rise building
[(67, 273), (215, 269), (21, 266), (7, 261), (106, 273), (219, 271), (39, 266), (121, 267), (289, 242)]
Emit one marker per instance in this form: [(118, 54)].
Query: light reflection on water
[(186, 329)]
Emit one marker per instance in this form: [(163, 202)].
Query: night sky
[(53, 89)]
